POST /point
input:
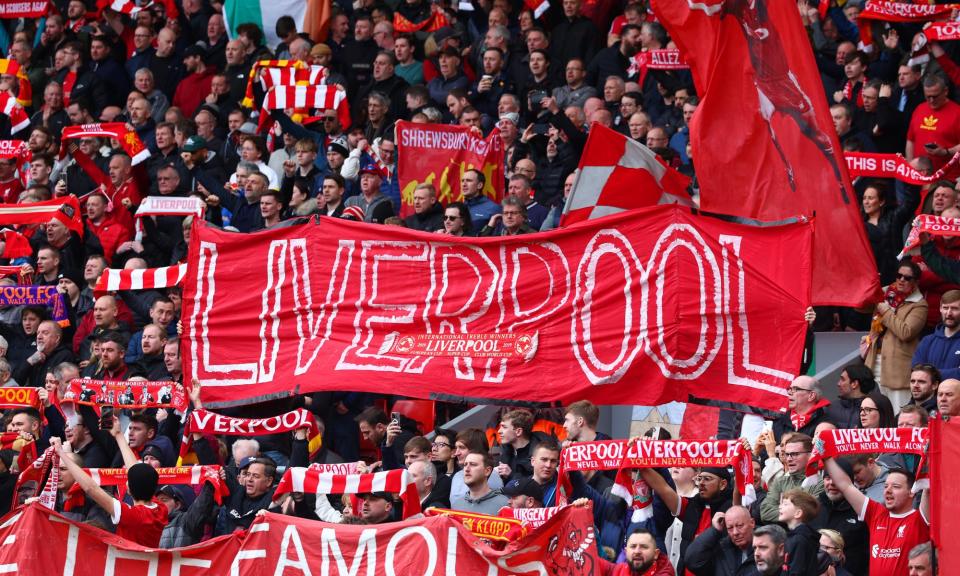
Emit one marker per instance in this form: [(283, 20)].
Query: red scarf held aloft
[(621, 456), (191, 475), (311, 481), (206, 422), (602, 455), (928, 224), (800, 420), (432, 23), (131, 394), (847, 441), (15, 245), (65, 209), (129, 140), (45, 471)]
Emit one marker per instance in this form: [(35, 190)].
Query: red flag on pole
[(763, 138)]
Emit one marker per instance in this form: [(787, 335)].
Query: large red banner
[(763, 137), (944, 455), (439, 154), (39, 542), (642, 307)]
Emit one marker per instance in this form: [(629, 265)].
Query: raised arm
[(86, 483), (843, 483)]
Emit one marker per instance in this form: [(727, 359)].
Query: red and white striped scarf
[(130, 8), (375, 156), (18, 116), (292, 76), (288, 65), (114, 279), (311, 481), (47, 466), (538, 7), (319, 97)]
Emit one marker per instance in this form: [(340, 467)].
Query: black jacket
[(35, 376), (429, 221), (840, 516), (803, 543), (713, 554)]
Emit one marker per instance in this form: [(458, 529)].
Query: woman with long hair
[(884, 225)]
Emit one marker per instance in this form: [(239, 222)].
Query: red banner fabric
[(659, 301), (23, 8), (896, 166), (66, 210), (439, 154), (128, 139), (763, 136), (40, 542), (502, 528), (944, 455)]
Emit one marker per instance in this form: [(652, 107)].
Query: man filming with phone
[(934, 130)]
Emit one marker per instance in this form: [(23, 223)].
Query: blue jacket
[(941, 351), (481, 209)]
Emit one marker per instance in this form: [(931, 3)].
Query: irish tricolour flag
[(310, 15)]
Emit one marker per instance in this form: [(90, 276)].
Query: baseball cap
[(152, 450), (451, 51), (523, 487), (182, 493), (370, 168), (194, 144), (718, 471)]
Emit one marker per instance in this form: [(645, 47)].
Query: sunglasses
[(905, 277), (451, 218)]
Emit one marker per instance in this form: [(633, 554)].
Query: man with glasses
[(934, 130), (807, 408), (796, 453), (512, 221), (576, 91)]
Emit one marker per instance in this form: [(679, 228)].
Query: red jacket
[(192, 90), (661, 567), (111, 234)]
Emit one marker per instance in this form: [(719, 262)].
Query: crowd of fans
[(179, 82)]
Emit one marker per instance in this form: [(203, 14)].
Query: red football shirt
[(892, 536), (935, 126), (141, 524)]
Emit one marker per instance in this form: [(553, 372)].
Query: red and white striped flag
[(319, 97), (311, 481), (617, 173), (18, 116), (538, 7), (292, 76), (114, 279)]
